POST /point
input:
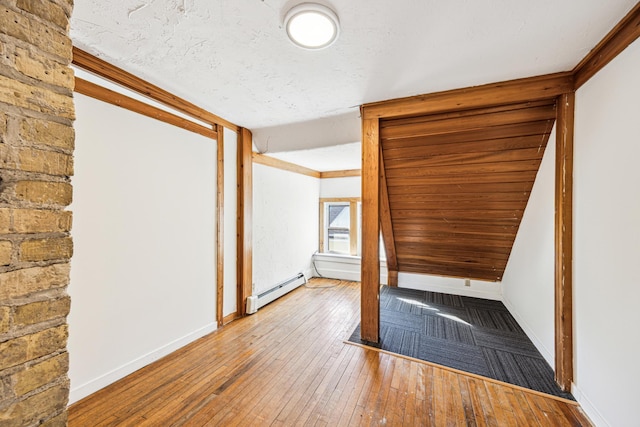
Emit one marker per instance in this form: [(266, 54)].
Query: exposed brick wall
[(36, 162)]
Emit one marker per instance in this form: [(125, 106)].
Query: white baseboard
[(333, 273), (589, 409), (347, 275), (343, 267), (546, 353), (90, 387), (308, 273), (451, 285)]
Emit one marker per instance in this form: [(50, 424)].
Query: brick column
[(36, 162)]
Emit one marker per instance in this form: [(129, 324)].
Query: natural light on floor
[(423, 305), (418, 303)]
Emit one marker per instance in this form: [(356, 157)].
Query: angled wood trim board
[(261, 159), (230, 318), (621, 36), (117, 75), (106, 95), (386, 225)]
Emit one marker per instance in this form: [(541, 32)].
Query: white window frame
[(354, 223)]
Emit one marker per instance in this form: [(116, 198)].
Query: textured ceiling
[(324, 159), (232, 57)]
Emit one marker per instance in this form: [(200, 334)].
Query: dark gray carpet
[(470, 334)]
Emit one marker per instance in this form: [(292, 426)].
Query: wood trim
[(617, 40), (340, 174), (563, 242), (245, 214), (117, 75), (387, 227), (370, 264), (261, 159), (340, 199), (321, 224), (220, 228), (510, 92), (392, 278), (114, 98), (353, 227), (230, 318)]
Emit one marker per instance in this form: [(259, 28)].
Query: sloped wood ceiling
[(458, 184)]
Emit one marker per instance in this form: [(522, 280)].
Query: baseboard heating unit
[(255, 302)]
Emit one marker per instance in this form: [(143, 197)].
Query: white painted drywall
[(285, 225), (143, 270), (340, 187), (528, 282), (230, 291), (607, 242)]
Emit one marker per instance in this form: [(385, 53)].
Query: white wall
[(340, 187), (528, 282), (230, 291), (606, 247), (607, 241), (285, 225), (143, 271)]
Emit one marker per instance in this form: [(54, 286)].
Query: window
[(340, 226)]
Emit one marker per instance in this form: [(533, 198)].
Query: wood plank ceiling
[(458, 184)]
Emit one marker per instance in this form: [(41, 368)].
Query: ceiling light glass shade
[(312, 26)]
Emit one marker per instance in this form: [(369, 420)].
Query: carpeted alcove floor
[(470, 334)]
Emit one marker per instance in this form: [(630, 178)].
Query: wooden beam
[(370, 264), (563, 242), (392, 277), (102, 94), (220, 228), (621, 36), (123, 78), (387, 228), (281, 164), (245, 214), (340, 174), (522, 90)]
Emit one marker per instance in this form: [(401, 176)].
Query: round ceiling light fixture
[(312, 25)]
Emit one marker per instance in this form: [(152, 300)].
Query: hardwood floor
[(288, 365)]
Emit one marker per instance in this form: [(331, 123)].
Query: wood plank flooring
[(288, 365)]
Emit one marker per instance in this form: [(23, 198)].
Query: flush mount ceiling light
[(312, 25)]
